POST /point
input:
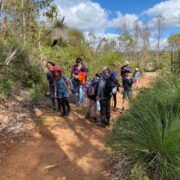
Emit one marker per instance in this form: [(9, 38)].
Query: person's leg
[(108, 111), (88, 109), (63, 107), (59, 105), (66, 103), (80, 99), (54, 103), (103, 112), (115, 101), (123, 102), (137, 83)]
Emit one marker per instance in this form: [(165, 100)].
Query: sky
[(106, 17)]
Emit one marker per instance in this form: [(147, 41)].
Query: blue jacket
[(61, 89)]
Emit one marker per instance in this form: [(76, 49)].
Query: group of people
[(97, 91)]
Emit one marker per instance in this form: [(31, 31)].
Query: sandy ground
[(69, 148)]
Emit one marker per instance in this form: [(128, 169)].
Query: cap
[(78, 59), (57, 68)]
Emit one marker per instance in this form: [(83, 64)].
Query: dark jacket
[(127, 84), (105, 87)]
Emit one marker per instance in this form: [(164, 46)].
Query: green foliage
[(38, 89), (127, 42), (150, 132), (6, 88)]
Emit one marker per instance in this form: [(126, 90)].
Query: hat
[(106, 68), (78, 60), (57, 69), (137, 69), (126, 62)]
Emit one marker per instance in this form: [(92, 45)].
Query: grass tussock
[(149, 134)]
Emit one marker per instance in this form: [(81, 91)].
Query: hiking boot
[(68, 111), (94, 120), (63, 114), (101, 124)]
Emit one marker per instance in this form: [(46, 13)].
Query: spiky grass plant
[(149, 134)]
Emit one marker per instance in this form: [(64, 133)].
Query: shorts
[(127, 95)]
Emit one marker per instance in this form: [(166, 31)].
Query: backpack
[(91, 88), (109, 87)]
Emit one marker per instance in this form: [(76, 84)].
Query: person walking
[(127, 88), (104, 94)]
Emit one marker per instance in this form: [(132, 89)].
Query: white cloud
[(153, 43), (170, 10), (84, 15), (89, 16), (121, 19)]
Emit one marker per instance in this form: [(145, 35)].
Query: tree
[(127, 44), (22, 15), (174, 46), (159, 24), (137, 38), (126, 41), (145, 42)]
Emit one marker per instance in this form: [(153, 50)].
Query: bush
[(6, 88), (38, 89), (149, 133)]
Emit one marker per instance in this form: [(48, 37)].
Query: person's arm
[(72, 71), (100, 89)]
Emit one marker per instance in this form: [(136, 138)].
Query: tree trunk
[(23, 21)]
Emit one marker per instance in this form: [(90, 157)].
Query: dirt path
[(68, 148)]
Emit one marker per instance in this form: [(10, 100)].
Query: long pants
[(115, 100), (81, 98), (64, 104), (91, 108), (105, 111)]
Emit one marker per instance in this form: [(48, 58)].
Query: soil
[(69, 148)]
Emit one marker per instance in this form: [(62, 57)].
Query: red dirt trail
[(68, 148)]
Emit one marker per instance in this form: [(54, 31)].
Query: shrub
[(38, 89), (149, 133), (6, 88)]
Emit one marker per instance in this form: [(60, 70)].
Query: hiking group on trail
[(97, 91)]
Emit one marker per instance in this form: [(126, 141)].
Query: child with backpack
[(91, 92), (127, 87), (61, 91), (104, 94)]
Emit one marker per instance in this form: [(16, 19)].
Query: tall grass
[(149, 134)]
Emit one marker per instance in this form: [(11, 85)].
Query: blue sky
[(106, 17), (127, 6)]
